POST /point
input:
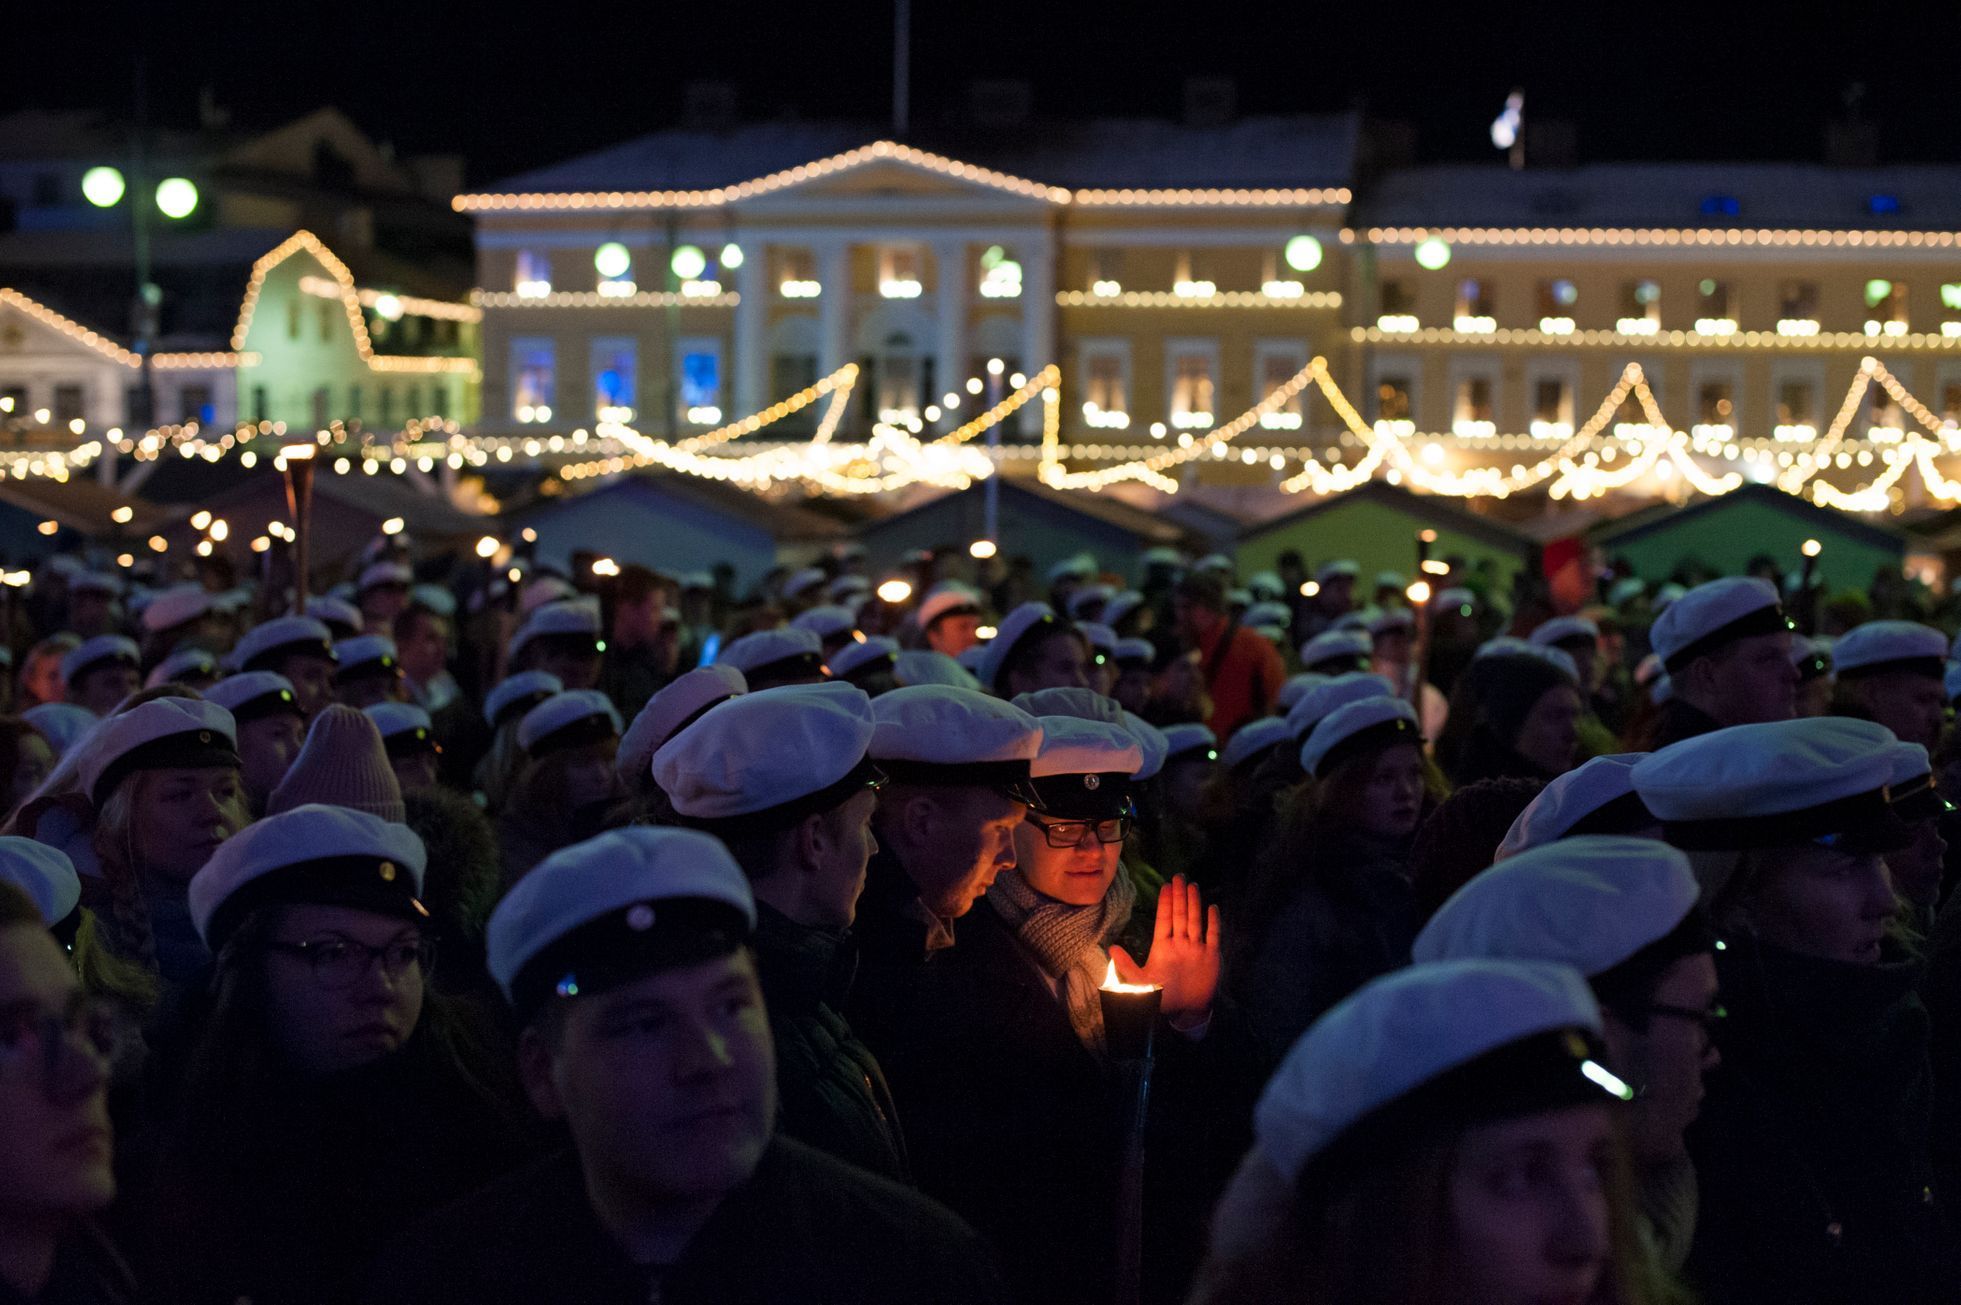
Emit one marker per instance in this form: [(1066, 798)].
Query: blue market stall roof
[(1743, 195), (1274, 151)]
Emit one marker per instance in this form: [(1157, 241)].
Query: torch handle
[(1134, 1077)]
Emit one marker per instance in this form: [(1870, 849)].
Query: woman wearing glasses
[(1008, 1096), (320, 1096), (55, 1138)]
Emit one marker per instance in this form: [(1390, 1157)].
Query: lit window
[(1951, 308), (1392, 399), (1274, 366), (534, 274), (1556, 300), (1797, 410), (1188, 286), (1474, 306), (701, 382), (1885, 418), (796, 275), (326, 308), (1640, 308), (1951, 402), (1721, 206), (1193, 370), (534, 364), (68, 404), (1552, 408), (898, 272), (1000, 274), (614, 263), (1715, 307), (1883, 205), (1797, 308), (293, 318), (1398, 306), (615, 368), (1106, 385), (1106, 272), (1715, 410), (1886, 307), (1474, 412), (898, 372), (194, 402)]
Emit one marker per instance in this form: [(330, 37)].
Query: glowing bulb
[(995, 367), (158, 544), (1812, 548), (1309, 588), (122, 515), (199, 520), (612, 260), (389, 307), (176, 197), (1433, 253), (1418, 593), (895, 591), (220, 530), (984, 632), (1606, 1078), (48, 527), (1303, 253), (688, 262), (392, 526), (261, 544), (103, 186), (982, 549), (487, 547), (731, 255)]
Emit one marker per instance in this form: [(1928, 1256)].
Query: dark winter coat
[(806, 1229), (1674, 721), (284, 1195), (1350, 921), (895, 946), (830, 1090), (1017, 1126), (87, 1271), (1812, 1147)]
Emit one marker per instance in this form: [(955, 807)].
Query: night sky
[(520, 87)]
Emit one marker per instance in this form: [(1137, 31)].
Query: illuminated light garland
[(1043, 382), (306, 242), (594, 299), (842, 380), (763, 185), (1213, 198), (1438, 335), (1652, 237), (69, 327), (213, 361), (1213, 299), (412, 305)]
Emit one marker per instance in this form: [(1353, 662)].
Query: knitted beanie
[(344, 764)]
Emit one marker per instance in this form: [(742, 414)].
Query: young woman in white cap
[(1446, 1135), (1005, 1092), (1513, 715), (1035, 649), (1330, 904), (316, 1096), (568, 785), (1813, 1148)]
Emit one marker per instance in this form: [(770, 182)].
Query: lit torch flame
[(1111, 983)]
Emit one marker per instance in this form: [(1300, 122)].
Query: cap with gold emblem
[(162, 734), (315, 854)]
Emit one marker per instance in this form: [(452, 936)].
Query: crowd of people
[(606, 934)]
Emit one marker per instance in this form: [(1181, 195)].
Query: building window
[(1951, 402), (1552, 407), (1393, 400), (796, 275), (1193, 371), (1474, 306), (1715, 307), (13, 399), (898, 272), (387, 417), (414, 404), (354, 402), (1797, 308), (322, 406), (1797, 410), (259, 405), (1106, 384), (614, 263), (439, 400), (194, 402), (1475, 412), (68, 404), (1398, 306), (615, 377), (1000, 276), (898, 372), (293, 318), (1275, 364), (1106, 272), (1556, 300), (1187, 286), (1715, 409), (1886, 420), (534, 274), (1951, 309), (324, 312), (1886, 307), (1640, 308), (534, 364), (701, 382)]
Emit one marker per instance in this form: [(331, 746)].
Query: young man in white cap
[(1892, 672), (677, 706), (949, 618), (1813, 1148), (957, 763), (271, 729), (643, 644), (626, 963), (768, 658), (782, 778), (297, 647), (368, 672), (561, 639), (1623, 912), (383, 591), (101, 672), (1726, 647)]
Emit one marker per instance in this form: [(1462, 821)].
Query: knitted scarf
[(1068, 942)]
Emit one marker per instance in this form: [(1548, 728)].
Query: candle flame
[(1111, 983)]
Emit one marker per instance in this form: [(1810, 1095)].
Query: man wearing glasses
[(55, 1141), (782, 778)]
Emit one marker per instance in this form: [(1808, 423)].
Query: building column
[(1037, 316), (950, 351), (751, 364), (833, 307)]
